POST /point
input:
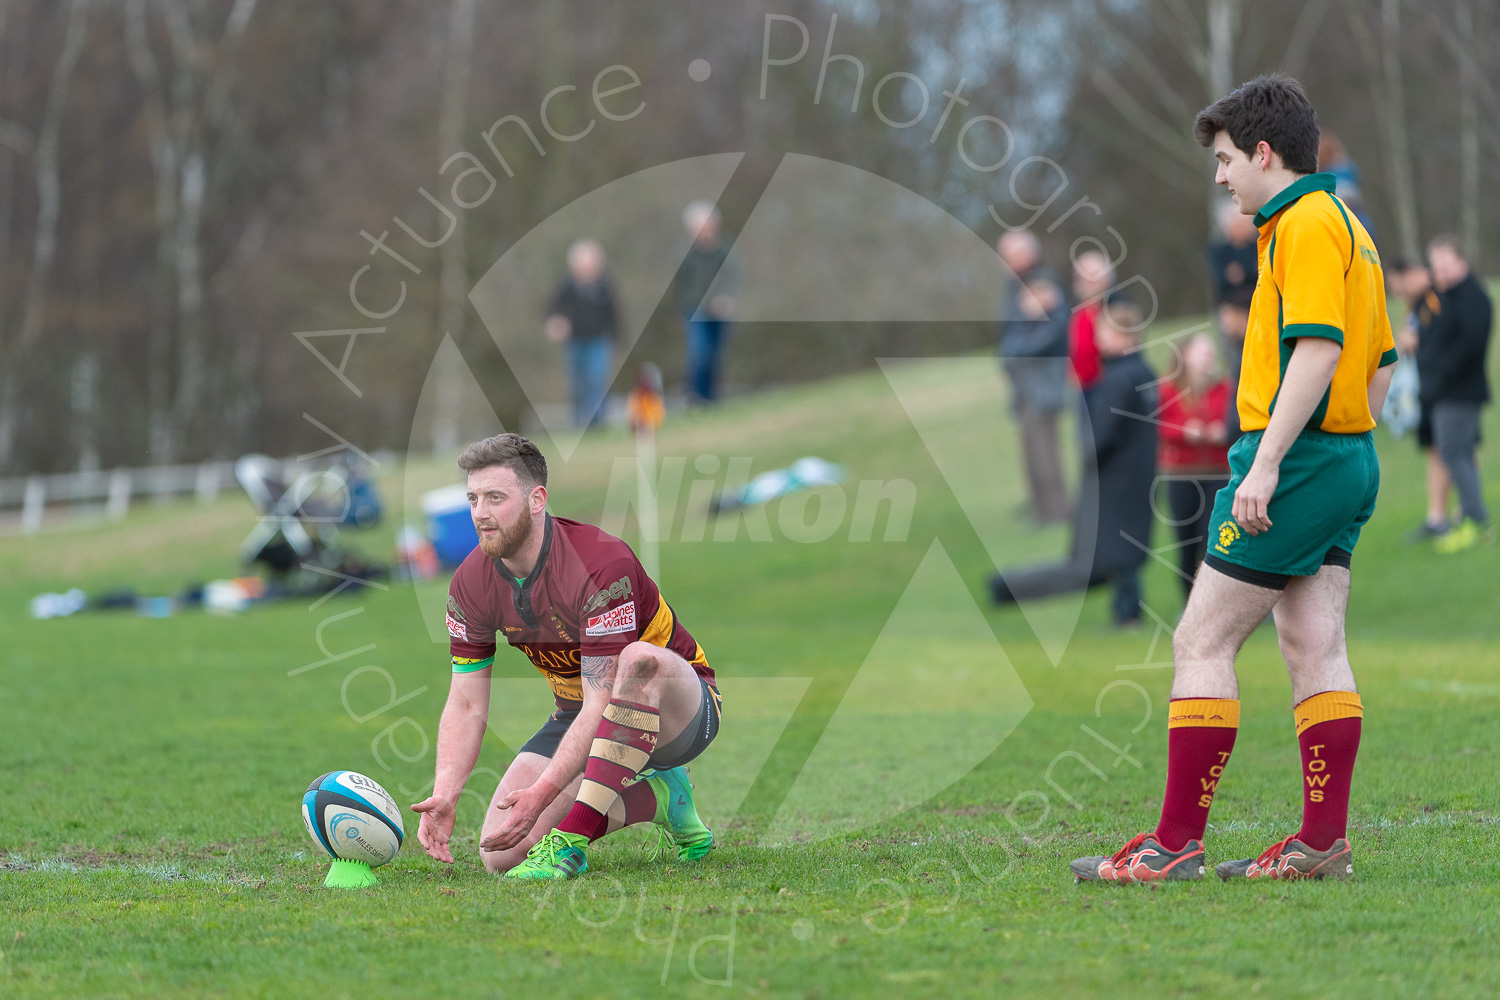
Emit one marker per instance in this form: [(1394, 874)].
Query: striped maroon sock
[(622, 744)]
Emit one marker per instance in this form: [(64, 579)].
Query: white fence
[(112, 490)]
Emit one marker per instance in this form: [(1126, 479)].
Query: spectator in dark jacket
[(705, 290), (1460, 340), (1119, 469), (1122, 412), (1034, 354), (1334, 159), (1234, 320), (1232, 260), (1412, 282), (583, 317)]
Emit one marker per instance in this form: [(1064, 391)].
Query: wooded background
[(183, 182)]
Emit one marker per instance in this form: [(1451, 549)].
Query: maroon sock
[(640, 803), (1200, 737), (622, 744), (1328, 727)]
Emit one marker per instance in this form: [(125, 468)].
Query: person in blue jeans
[(584, 319), (705, 300)]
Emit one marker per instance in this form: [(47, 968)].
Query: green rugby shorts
[(1324, 496)]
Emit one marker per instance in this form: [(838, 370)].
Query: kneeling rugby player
[(635, 696)]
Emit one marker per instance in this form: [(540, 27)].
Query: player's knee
[(1189, 644), (1293, 649), (641, 660)]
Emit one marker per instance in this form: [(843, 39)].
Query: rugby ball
[(352, 818)]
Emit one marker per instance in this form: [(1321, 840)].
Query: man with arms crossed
[(635, 696), (1303, 482)]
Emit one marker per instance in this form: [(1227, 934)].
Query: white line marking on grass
[(1454, 687)]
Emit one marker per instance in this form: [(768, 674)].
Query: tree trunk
[(1399, 155), (191, 367), (1468, 140), (453, 269), (44, 249), (1223, 28), (162, 445), (1388, 97), (1223, 31)]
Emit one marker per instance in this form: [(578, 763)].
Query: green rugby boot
[(677, 816), (1466, 536), (557, 855)]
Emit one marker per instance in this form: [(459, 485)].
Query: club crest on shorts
[(1229, 532)]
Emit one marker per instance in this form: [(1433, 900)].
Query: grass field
[(151, 770)]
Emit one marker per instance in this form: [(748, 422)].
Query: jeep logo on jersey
[(621, 619), (620, 588)]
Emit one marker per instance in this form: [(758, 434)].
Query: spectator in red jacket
[(1194, 448), (1093, 275)]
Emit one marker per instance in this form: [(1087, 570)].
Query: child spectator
[(1194, 453)]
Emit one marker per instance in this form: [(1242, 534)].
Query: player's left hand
[(522, 808), (1252, 501)]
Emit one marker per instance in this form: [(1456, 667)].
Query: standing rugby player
[(1303, 480), (635, 696)]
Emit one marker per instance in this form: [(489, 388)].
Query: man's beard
[(507, 541)]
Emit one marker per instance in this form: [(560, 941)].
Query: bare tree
[(453, 270), (44, 246), (1468, 125), (1382, 56), (181, 117)]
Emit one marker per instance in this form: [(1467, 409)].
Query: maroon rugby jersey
[(587, 596)]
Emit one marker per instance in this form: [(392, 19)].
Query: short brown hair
[(1273, 109), (1448, 242), (510, 451), (1123, 316)]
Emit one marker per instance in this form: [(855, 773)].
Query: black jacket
[(1232, 269), (590, 309), (1424, 310), (1460, 341), (703, 271), (1122, 408)]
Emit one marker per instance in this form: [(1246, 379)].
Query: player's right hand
[(435, 827)]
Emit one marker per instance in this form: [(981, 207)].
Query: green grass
[(150, 770)]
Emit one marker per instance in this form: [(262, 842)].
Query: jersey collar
[(523, 590), (1306, 184)]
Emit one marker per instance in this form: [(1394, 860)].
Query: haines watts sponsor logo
[(621, 619), (457, 623)]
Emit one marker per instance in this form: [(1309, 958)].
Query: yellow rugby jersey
[(1319, 277)]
